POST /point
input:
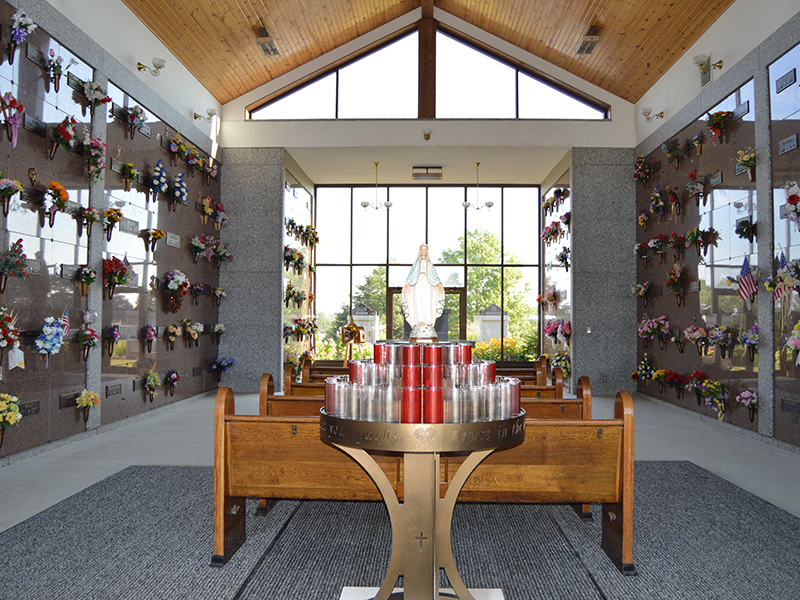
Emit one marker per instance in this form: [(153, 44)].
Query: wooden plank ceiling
[(639, 39)]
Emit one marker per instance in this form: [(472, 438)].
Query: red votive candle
[(432, 405), (464, 354), (380, 353), (492, 372), (356, 371), (432, 375), (412, 354), (411, 405), (411, 376), (433, 355)]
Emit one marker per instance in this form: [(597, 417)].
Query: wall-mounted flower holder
[(751, 354), (86, 413), (171, 389), (111, 345), (109, 290), (86, 353), (752, 411)]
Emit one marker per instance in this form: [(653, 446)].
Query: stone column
[(253, 191)]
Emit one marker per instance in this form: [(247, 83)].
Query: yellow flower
[(3, 406), (88, 398)]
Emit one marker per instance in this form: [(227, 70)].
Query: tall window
[(493, 256)]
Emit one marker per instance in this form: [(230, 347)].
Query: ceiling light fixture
[(376, 204), (158, 64), (703, 63), (478, 204), (266, 42), (426, 173), (648, 116), (426, 133), (589, 41), (211, 112)]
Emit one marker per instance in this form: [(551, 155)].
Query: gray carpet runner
[(146, 533)]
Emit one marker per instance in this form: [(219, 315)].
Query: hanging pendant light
[(478, 204), (376, 204)]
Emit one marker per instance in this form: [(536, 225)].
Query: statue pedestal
[(423, 334)]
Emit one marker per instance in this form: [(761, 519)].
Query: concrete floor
[(183, 435)]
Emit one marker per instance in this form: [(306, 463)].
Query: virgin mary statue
[(423, 297)]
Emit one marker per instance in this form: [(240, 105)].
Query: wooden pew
[(571, 461), (554, 390), (294, 388)]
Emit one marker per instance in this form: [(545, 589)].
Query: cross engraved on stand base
[(420, 537)]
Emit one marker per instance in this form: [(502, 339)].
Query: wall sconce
[(158, 64), (426, 133), (703, 63), (211, 112), (648, 116)]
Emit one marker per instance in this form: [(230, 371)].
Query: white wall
[(114, 27), (735, 34)]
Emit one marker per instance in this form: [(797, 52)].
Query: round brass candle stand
[(421, 543)]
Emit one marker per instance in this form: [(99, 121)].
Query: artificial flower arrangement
[(194, 159), (793, 204), (745, 229), (13, 263), (8, 187), (310, 236), (178, 285), (129, 174), (112, 336), (63, 135), (209, 171), (672, 148), (659, 328), (95, 92), (551, 297), (111, 217), (89, 216), (151, 237), (218, 295), (151, 383), (172, 333), (50, 340), (192, 331), (218, 330), (658, 244), (644, 372), (86, 277), (719, 335), (676, 243), (702, 239), (698, 336), (657, 204), (561, 360), (179, 191), (9, 413), (676, 381), (171, 379), (695, 188), (293, 259), (9, 334), (697, 141), (552, 233), (115, 272), (207, 209), (222, 254), (643, 219), (136, 118), (642, 290), (563, 257), (551, 331), (203, 245), (304, 327), (58, 198), (197, 289), (793, 341), (55, 68), (12, 111), (86, 401), (695, 384), (220, 217), (177, 146), (160, 183), (641, 170), (293, 295), (150, 334), (88, 339), (675, 282), (564, 331), (787, 278), (750, 400), (96, 158), (222, 365), (746, 157), (674, 201), (713, 393), (641, 251), (21, 27), (717, 123)]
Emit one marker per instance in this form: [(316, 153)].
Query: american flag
[(65, 322), (747, 286), (782, 264)]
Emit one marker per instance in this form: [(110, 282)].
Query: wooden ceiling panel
[(639, 39)]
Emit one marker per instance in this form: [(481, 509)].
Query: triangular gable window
[(470, 84)]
